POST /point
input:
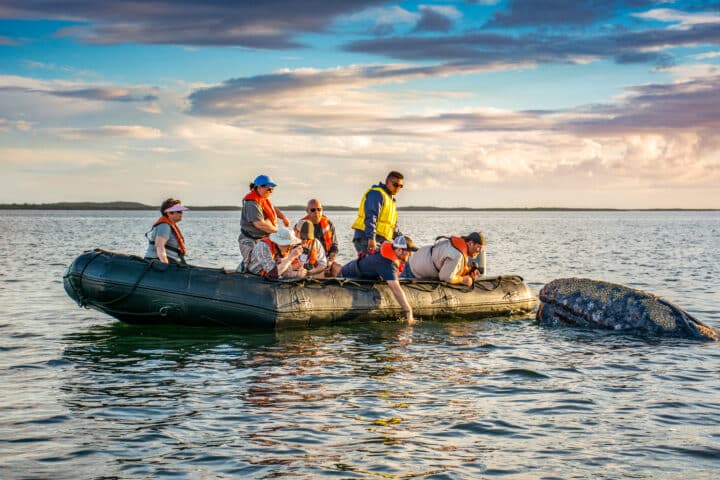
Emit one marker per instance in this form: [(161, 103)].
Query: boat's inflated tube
[(139, 291)]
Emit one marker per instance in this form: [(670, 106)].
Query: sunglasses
[(318, 209), (269, 188), (397, 185)]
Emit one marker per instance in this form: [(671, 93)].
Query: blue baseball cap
[(264, 180)]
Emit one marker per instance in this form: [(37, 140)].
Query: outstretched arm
[(399, 295), (282, 217)]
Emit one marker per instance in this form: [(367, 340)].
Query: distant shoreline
[(141, 206)]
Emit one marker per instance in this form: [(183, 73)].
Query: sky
[(479, 103)]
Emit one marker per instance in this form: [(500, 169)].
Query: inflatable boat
[(138, 291)]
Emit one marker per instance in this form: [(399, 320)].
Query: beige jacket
[(441, 261)]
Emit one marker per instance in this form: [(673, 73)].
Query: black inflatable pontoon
[(138, 291)]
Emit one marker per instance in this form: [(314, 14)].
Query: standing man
[(376, 220), (450, 259), (325, 232)]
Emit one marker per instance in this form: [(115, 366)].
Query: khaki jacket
[(441, 261)]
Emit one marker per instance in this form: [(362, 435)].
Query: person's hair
[(394, 174), (252, 186), (167, 204)]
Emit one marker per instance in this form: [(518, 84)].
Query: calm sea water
[(83, 396)]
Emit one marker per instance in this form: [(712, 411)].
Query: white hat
[(284, 236), (404, 242)]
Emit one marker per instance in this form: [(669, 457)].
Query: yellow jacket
[(386, 216)]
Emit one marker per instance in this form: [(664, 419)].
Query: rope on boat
[(487, 284), (132, 290), (82, 298)]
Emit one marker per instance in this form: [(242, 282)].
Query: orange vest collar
[(265, 204), (176, 231), (326, 231), (459, 243)]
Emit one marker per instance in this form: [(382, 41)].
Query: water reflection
[(363, 391)]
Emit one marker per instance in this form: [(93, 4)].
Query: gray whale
[(582, 302)]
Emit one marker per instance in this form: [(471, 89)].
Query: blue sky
[(515, 103)]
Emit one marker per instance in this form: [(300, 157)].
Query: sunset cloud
[(129, 131)]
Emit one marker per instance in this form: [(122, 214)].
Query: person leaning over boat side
[(385, 264), (377, 217), (313, 258), (450, 259), (324, 231), (259, 216), (273, 256), (165, 240)]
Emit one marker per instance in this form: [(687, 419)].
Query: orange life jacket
[(326, 231), (176, 231), (459, 243), (273, 251), (265, 204), (312, 256), (387, 251)]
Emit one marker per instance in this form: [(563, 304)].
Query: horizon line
[(126, 205)]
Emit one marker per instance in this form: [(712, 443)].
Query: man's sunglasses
[(318, 209), (397, 185)]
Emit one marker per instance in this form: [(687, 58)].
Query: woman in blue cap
[(259, 216)]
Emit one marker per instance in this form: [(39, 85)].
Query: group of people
[(310, 247)]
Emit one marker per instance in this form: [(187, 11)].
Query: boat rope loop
[(82, 299), (132, 290)]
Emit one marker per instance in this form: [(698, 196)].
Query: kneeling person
[(273, 256), (385, 264), (450, 259)]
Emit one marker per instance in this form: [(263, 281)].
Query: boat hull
[(138, 291)]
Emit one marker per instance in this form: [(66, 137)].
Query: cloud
[(106, 131), (682, 20), (484, 48), (46, 102), (436, 19), (106, 94), (385, 15), (269, 25), (18, 125), (684, 105), (6, 41), (342, 102), (315, 90), (40, 65), (54, 160), (35, 65), (706, 56), (90, 93)]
